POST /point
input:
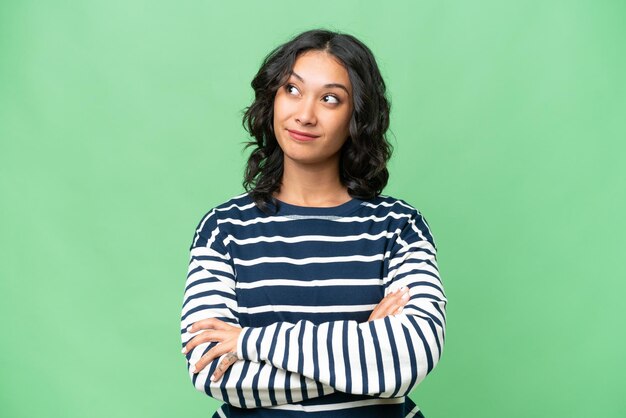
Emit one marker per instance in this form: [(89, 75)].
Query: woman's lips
[(301, 136)]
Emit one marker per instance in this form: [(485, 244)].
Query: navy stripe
[(346, 360), (201, 308), (412, 358), (209, 293), (240, 394), (331, 357), (394, 356), (379, 358), (271, 386), (255, 385), (201, 281), (429, 356), (363, 362)]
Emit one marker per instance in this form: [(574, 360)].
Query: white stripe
[(207, 313), (234, 205), (202, 273), (307, 309), (294, 384), (416, 229), (279, 349), (337, 347), (307, 349), (354, 359), (293, 352), (307, 238), (418, 346), (409, 309), (417, 244), (211, 300), (310, 260), (405, 205), (266, 343), (207, 287), (263, 386), (371, 365), (345, 219), (401, 257), (196, 353), (413, 412), (323, 364), (414, 267), (383, 204), (343, 405), (231, 382), (246, 384), (226, 283), (385, 350), (253, 336), (214, 232), (402, 352), (208, 251), (279, 384), (311, 283)]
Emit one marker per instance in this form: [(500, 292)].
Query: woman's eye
[(290, 88), (333, 99)]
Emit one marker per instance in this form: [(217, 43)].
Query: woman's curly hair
[(364, 156)]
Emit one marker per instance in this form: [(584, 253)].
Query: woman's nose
[(306, 113)]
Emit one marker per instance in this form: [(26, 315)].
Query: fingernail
[(212, 378), (405, 296), (184, 350), (189, 328)]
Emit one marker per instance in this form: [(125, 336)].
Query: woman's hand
[(391, 304), (227, 335), (216, 331)]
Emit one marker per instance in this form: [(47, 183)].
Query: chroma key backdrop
[(120, 127)]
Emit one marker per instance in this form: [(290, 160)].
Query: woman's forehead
[(318, 68)]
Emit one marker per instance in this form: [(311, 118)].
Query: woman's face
[(312, 110)]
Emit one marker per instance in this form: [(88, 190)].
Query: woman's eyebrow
[(330, 85)]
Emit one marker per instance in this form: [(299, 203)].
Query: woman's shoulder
[(393, 204), (233, 207), (238, 202), (236, 209), (403, 209)]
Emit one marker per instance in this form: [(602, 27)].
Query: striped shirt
[(301, 284)]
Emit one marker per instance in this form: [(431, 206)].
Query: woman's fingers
[(209, 356), (380, 310), (228, 360), (216, 331), (203, 337), (209, 323), (226, 343), (391, 304)]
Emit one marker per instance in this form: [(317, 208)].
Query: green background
[(120, 126)]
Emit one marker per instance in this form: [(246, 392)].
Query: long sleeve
[(387, 357), (210, 293)]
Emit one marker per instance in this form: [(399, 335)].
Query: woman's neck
[(312, 186)]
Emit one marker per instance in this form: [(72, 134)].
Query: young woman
[(312, 294)]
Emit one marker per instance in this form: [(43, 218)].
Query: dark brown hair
[(364, 156)]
